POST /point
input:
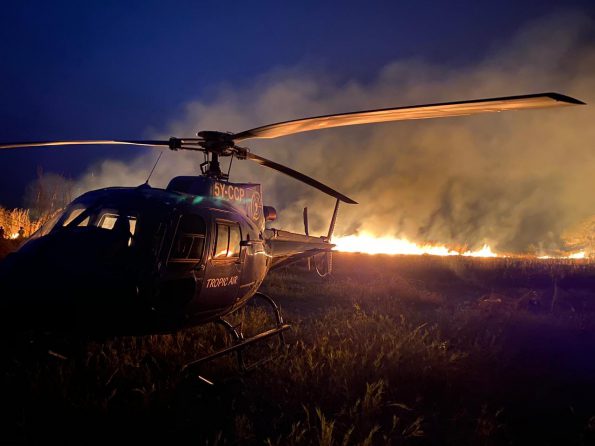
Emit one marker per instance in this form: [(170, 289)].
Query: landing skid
[(241, 342)]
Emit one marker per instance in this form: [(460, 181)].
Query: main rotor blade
[(442, 110), (299, 176), (149, 143)]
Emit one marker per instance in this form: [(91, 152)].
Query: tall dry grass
[(13, 219)]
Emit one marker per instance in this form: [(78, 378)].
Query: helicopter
[(144, 260)]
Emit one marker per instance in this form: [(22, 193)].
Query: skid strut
[(241, 342)]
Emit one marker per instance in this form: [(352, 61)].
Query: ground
[(388, 350)]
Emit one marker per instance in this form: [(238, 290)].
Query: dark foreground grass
[(389, 350), (7, 246)]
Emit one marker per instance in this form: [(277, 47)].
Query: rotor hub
[(219, 143)]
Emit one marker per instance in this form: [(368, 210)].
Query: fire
[(370, 244), (573, 256), (577, 255), (485, 251)]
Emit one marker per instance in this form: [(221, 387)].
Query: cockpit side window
[(118, 222), (108, 220), (189, 240)]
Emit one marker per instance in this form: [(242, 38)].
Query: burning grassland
[(390, 349), (12, 220)]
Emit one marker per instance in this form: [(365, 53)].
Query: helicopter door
[(183, 264), (222, 275), (254, 265)]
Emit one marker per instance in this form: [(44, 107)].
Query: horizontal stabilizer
[(288, 247)]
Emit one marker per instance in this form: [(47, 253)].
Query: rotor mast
[(216, 144), (212, 168)]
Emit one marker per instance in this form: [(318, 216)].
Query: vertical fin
[(306, 230), (331, 228)]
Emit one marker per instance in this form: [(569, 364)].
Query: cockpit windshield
[(107, 218), (72, 214), (46, 227)]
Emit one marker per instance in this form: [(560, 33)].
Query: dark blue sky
[(114, 69)]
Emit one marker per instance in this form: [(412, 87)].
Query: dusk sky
[(115, 69)]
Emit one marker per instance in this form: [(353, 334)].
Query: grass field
[(388, 350)]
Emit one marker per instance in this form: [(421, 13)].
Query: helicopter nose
[(55, 280)]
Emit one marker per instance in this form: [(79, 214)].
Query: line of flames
[(369, 244)]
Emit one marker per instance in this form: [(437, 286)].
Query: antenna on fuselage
[(153, 169)]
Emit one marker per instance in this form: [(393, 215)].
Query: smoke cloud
[(514, 180)]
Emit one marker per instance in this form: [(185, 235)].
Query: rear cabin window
[(189, 240), (228, 241), (234, 241)]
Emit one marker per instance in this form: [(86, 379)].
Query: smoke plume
[(514, 180)]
